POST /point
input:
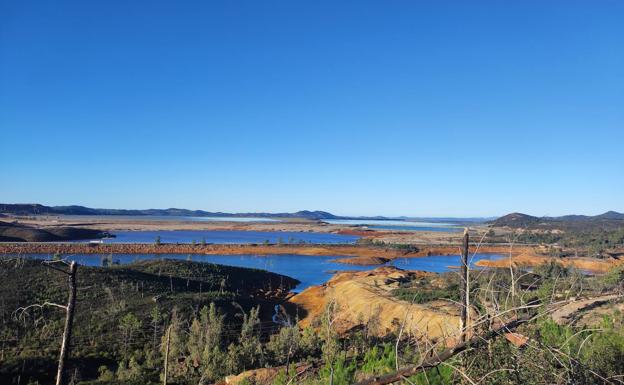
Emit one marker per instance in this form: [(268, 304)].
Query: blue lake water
[(442, 229), (397, 225), (310, 270), (229, 236), (230, 219)]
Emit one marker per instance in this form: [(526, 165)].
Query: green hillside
[(116, 308)]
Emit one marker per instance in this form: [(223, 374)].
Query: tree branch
[(442, 356)]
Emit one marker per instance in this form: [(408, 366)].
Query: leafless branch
[(442, 356)]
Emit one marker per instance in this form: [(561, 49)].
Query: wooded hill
[(608, 220), (115, 309), (200, 323)]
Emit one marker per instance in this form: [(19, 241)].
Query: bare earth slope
[(365, 299), (10, 232)]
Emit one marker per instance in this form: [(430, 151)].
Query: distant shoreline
[(350, 254), (236, 249)]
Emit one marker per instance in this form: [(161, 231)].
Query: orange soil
[(364, 298), (82, 248), (530, 258), (263, 376), (324, 250), (362, 261)]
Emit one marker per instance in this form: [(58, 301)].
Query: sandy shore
[(113, 223)]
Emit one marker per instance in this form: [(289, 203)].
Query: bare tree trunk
[(167, 355), (69, 320), (464, 288), (511, 272)]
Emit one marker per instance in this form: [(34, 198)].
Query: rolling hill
[(38, 209), (610, 219), (11, 232)]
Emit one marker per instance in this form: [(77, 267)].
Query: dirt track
[(565, 313)]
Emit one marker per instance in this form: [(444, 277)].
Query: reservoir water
[(310, 270), (229, 237), (397, 225), (418, 227)]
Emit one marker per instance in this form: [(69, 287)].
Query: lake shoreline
[(309, 270), (112, 224), (347, 254), (344, 250)]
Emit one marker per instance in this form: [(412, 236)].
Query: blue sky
[(355, 107)]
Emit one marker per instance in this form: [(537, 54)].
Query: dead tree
[(69, 320), (167, 355), (464, 291), (69, 312)]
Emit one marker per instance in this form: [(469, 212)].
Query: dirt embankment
[(11, 232), (363, 261), (371, 253), (530, 258), (128, 248), (364, 299)]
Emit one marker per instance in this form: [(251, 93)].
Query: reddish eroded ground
[(530, 258), (365, 299), (322, 250)]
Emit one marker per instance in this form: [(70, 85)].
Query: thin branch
[(442, 356), (22, 310)]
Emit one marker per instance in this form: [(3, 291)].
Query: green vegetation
[(555, 355), (218, 321), (592, 242), (122, 313), (423, 290), (407, 248)]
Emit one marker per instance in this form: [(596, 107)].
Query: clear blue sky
[(356, 107)]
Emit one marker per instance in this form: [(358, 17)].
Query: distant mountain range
[(519, 220), (38, 209), (515, 220)]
